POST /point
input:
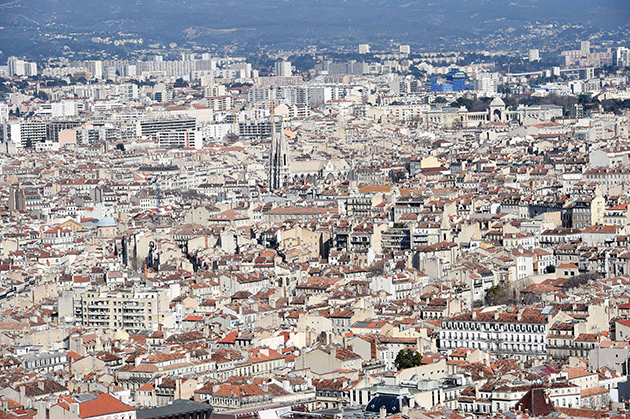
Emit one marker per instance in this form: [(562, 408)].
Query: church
[(279, 165)]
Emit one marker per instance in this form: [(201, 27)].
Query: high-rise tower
[(278, 155)]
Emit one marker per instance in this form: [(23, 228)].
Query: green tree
[(407, 358), (180, 83), (462, 101), (398, 176), (496, 295), (550, 269), (440, 99), (120, 146)]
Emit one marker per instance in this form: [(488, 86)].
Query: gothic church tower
[(279, 168)]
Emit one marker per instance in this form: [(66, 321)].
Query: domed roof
[(106, 222)]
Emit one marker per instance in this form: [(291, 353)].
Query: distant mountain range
[(27, 24)]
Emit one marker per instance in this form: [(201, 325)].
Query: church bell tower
[(278, 155)]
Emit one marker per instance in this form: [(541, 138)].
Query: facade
[(283, 68), (179, 139), (127, 310), (46, 362), (88, 405), (150, 128), (522, 333), (25, 133), (461, 117)]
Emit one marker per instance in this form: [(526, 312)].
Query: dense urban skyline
[(294, 210)]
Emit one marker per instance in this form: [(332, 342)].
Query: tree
[(180, 83), (399, 175), (407, 358), (440, 99), (550, 269), (3, 87), (120, 146), (462, 101), (579, 280), (230, 137), (497, 295), (481, 104)]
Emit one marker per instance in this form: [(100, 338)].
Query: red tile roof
[(104, 404)]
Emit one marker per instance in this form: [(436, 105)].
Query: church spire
[(278, 154)]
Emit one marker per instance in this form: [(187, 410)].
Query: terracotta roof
[(536, 403), (104, 404), (593, 391)]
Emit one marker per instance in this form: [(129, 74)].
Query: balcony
[(139, 311), (132, 317)]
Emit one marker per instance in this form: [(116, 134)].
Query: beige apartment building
[(132, 309)]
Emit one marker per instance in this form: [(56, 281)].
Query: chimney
[(383, 412), (40, 385), (405, 410)]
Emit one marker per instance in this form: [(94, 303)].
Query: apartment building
[(521, 333), (132, 309)]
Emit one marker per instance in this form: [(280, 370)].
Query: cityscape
[(298, 210)]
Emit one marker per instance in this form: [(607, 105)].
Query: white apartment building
[(521, 333), (19, 67), (180, 139), (283, 69)]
